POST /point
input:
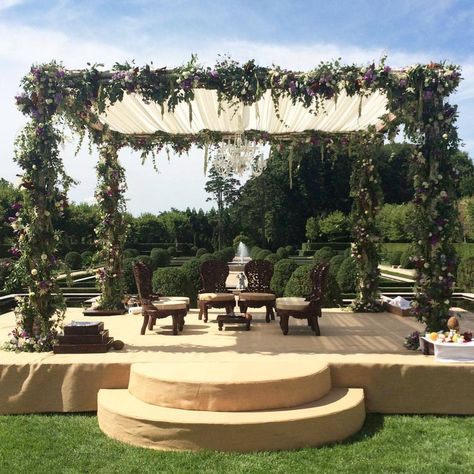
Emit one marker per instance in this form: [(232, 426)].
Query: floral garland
[(44, 186), (415, 98), (367, 194), (112, 229)]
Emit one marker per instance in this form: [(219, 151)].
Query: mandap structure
[(151, 109)]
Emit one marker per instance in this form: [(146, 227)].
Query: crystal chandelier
[(237, 155)]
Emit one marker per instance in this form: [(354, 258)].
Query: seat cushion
[(162, 305), (291, 303), (174, 298), (216, 297), (256, 296)]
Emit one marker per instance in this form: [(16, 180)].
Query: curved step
[(229, 386), (333, 418)]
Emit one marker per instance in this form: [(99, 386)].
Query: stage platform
[(362, 351)]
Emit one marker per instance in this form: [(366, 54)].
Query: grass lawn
[(387, 444)]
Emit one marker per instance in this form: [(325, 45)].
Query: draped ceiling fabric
[(133, 116)]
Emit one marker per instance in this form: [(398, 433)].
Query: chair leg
[(272, 312), (175, 324), (315, 325), (151, 322), (268, 314), (206, 308), (181, 322), (243, 307), (284, 323), (145, 324), (201, 309)]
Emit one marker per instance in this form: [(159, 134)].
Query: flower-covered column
[(367, 194), (44, 185), (434, 180), (111, 232)]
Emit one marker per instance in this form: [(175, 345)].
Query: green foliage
[(396, 222), (299, 283), (172, 251), (73, 260), (282, 272), (332, 297), (335, 263), (290, 249), (226, 254), (200, 252), (128, 276), (191, 269), (347, 275), (8, 196), (466, 217), (273, 257), (406, 257), (312, 229), (394, 258), (171, 281), (324, 255), (282, 253), (254, 251), (208, 256), (6, 269), (334, 226), (86, 258), (159, 258), (130, 253), (466, 274), (245, 239), (262, 254)]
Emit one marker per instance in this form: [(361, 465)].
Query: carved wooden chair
[(258, 293), (305, 308), (154, 307), (214, 293)]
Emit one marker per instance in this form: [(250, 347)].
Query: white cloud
[(6, 4)]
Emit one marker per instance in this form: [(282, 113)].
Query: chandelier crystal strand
[(237, 155)]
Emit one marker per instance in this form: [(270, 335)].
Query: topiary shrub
[(73, 260), (290, 249), (200, 252), (263, 254), (171, 281), (324, 255), (282, 252), (128, 277), (282, 272), (394, 257), (254, 252), (347, 276), (466, 274), (229, 253), (193, 250), (191, 270), (299, 283), (171, 251), (130, 253), (208, 256), (87, 257), (335, 263), (159, 258), (405, 258), (273, 257), (146, 259)]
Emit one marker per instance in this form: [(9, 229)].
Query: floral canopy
[(333, 106)]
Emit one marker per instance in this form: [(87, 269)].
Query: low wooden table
[(245, 318)]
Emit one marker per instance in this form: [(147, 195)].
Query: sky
[(295, 34)]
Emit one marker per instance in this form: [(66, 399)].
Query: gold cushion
[(291, 303), (216, 297), (256, 296)]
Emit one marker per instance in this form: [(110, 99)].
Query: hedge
[(282, 272), (171, 281), (73, 260), (466, 274), (160, 258)]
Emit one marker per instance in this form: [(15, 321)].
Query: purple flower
[(186, 84), (60, 73), (58, 97), (292, 87), (214, 74), (427, 95), (402, 83), (15, 252), (16, 206), (369, 76), (434, 239), (387, 69)]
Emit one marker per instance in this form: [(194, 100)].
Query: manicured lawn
[(387, 444)]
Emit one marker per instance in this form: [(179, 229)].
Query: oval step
[(229, 386), (333, 418)]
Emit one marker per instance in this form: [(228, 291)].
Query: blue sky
[(294, 34)]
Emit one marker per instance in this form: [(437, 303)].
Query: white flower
[(34, 272)]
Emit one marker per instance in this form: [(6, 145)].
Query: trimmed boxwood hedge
[(171, 281), (282, 272)]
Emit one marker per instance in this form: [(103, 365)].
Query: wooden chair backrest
[(214, 274), (259, 275), (143, 278)]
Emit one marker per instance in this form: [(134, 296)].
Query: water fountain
[(242, 253)]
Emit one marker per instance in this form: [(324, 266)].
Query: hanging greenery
[(367, 194), (112, 229), (415, 100)]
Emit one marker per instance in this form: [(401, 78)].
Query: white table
[(452, 351)]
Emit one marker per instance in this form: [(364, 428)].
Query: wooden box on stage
[(391, 308), (84, 337)]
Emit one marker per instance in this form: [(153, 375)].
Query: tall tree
[(224, 191)]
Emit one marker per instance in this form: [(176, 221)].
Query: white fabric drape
[(133, 116)]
